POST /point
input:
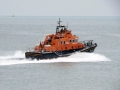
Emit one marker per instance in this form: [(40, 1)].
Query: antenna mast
[(59, 22), (57, 28)]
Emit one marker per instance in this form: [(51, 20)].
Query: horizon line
[(56, 16)]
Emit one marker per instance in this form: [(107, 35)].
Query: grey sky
[(60, 7)]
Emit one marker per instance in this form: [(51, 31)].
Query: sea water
[(99, 70)]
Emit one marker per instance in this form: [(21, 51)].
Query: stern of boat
[(89, 46)]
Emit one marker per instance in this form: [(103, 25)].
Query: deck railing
[(87, 43), (30, 49)]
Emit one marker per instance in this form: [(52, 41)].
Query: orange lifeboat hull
[(56, 54)]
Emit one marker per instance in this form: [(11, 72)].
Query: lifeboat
[(60, 44)]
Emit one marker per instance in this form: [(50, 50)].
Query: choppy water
[(81, 71)]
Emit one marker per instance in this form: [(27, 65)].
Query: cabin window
[(73, 40), (70, 40), (61, 42), (64, 42)]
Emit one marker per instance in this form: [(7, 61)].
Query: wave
[(19, 58)]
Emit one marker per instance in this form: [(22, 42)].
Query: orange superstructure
[(60, 41)]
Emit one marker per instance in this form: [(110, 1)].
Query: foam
[(19, 58)]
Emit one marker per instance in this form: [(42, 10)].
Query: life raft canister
[(36, 48)]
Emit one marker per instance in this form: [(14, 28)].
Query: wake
[(19, 58)]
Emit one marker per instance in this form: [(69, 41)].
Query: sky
[(60, 7)]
